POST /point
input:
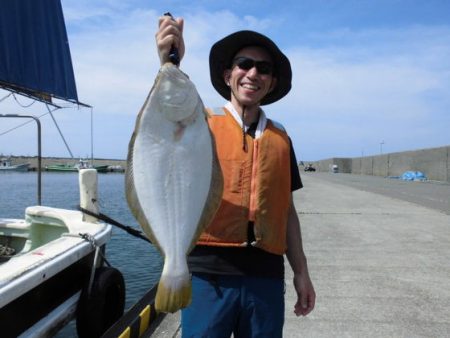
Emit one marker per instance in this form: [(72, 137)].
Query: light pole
[(381, 147)]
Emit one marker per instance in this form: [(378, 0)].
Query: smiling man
[(237, 265)]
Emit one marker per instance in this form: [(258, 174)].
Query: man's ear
[(226, 76)]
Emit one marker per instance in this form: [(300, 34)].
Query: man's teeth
[(249, 86)]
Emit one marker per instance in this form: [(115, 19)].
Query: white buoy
[(88, 193)]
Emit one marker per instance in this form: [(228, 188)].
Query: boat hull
[(72, 169), (51, 264), (17, 167), (55, 291), (61, 168)]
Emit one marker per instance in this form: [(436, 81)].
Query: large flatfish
[(173, 179)]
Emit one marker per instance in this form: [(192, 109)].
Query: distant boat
[(116, 169), (82, 164), (6, 165)]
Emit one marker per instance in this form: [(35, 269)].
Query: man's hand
[(170, 34), (306, 296)]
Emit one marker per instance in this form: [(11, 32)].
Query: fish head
[(177, 96)]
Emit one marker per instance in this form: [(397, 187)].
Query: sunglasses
[(245, 63)]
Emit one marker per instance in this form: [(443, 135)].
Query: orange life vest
[(257, 186)]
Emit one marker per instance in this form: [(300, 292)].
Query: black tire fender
[(105, 305)]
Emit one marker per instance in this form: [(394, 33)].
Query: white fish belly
[(172, 179)]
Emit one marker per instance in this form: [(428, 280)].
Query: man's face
[(250, 86)]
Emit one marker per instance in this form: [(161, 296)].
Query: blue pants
[(245, 306)]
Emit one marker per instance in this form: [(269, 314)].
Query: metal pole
[(39, 165), (92, 138)]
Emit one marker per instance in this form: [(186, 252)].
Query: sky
[(369, 77)]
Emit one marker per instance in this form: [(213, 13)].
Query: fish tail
[(174, 293)]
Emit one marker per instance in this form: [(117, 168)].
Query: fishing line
[(132, 231)]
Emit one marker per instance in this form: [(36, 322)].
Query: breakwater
[(47, 161), (433, 162)]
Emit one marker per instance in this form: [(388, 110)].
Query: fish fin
[(133, 201), (130, 191), (174, 293)]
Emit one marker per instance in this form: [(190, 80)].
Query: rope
[(107, 219), (23, 105), (59, 130), (6, 251), (4, 98), (98, 252), (23, 124)]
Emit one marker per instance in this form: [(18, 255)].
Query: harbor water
[(139, 261)]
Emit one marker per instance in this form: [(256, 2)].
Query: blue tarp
[(413, 176), (34, 50)]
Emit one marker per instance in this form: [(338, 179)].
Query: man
[(237, 266)]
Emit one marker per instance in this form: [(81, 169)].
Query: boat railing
[(39, 158)]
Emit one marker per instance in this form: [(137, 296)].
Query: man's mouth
[(249, 86)]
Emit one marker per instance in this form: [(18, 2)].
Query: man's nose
[(252, 72)]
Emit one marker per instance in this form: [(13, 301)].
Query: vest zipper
[(253, 183)]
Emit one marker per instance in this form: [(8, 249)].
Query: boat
[(52, 264), (6, 165), (116, 169), (51, 259), (82, 164)]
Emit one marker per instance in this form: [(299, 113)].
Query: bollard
[(88, 193)]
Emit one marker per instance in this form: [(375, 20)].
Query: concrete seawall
[(433, 162)]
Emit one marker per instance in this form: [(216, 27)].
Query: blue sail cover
[(34, 50)]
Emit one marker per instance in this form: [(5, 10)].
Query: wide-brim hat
[(223, 51)]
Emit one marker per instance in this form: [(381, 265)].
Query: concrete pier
[(380, 263)]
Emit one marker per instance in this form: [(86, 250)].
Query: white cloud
[(351, 102), (351, 88)]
